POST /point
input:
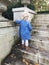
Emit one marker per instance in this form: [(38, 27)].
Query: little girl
[(24, 30)]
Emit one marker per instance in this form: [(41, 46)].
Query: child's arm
[(29, 26), (18, 21)]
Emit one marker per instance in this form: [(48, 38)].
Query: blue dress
[(24, 29)]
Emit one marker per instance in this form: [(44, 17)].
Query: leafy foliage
[(37, 5), (9, 14), (40, 5), (31, 6)]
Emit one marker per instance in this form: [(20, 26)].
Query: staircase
[(40, 33), (39, 45)]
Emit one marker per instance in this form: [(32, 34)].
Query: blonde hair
[(25, 14)]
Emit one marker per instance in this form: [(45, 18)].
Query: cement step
[(41, 57), (30, 55), (19, 63), (40, 38), (40, 29), (39, 43), (40, 21), (42, 17), (41, 26), (44, 59), (40, 33)]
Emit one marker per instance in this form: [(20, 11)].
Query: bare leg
[(22, 43), (27, 45)]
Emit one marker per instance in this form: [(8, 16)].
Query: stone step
[(19, 63), (44, 59), (40, 29), (41, 57), (30, 55), (39, 25), (41, 19), (40, 38), (39, 43), (42, 33), (38, 22), (42, 16), (8, 23)]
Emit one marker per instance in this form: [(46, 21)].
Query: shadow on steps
[(14, 55)]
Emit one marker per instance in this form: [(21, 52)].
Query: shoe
[(27, 48)]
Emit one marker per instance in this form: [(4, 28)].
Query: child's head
[(25, 15)]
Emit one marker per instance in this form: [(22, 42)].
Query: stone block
[(44, 60), (7, 34)]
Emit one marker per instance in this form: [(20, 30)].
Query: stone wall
[(8, 32), (40, 32), (40, 36)]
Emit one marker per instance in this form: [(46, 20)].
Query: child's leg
[(27, 44), (23, 43)]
